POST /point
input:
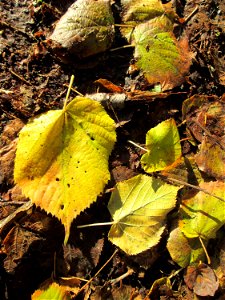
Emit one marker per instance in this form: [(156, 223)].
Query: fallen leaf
[(137, 11), (184, 251), (163, 147), (202, 215), (86, 28), (53, 291), (160, 57), (211, 157), (139, 207), (202, 280), (62, 158)]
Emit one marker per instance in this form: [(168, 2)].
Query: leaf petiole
[(68, 91)]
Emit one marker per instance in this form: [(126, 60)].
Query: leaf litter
[(202, 131)]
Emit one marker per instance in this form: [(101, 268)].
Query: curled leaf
[(62, 158), (86, 28)]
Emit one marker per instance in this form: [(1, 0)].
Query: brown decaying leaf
[(17, 243), (202, 280)]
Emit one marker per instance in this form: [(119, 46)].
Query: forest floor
[(32, 81)]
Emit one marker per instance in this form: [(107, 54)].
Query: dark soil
[(34, 80)]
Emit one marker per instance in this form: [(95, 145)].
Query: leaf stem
[(68, 91), (204, 248), (95, 224), (138, 146)]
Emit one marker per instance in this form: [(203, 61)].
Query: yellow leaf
[(163, 145), (62, 158), (139, 207)]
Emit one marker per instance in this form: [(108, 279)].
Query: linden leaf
[(163, 145), (141, 10), (158, 54), (53, 291), (86, 28), (203, 214), (139, 207), (202, 280), (62, 158), (184, 251), (211, 157)]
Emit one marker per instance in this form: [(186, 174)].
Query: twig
[(7, 25), (96, 274), (118, 279), (194, 187), (191, 15), (20, 77)]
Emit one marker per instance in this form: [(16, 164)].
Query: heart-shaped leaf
[(139, 207), (62, 158)]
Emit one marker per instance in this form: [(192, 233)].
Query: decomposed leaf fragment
[(62, 158)]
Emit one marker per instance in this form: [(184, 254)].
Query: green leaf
[(86, 28), (54, 291), (62, 158), (163, 145), (139, 207), (158, 54), (184, 251), (203, 215)]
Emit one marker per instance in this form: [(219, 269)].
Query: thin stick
[(96, 274), (118, 279), (95, 224), (195, 187), (138, 146), (68, 91), (204, 248), (20, 77), (191, 15), (123, 47)]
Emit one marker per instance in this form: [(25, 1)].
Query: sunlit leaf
[(184, 251), (211, 157), (158, 54), (62, 158), (203, 214), (53, 291), (163, 145), (139, 207), (86, 28)]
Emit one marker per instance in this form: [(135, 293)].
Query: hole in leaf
[(68, 184), (92, 139), (57, 179), (61, 206)]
